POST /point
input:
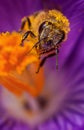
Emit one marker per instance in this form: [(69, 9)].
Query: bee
[(50, 28)]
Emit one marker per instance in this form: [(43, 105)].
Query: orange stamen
[(14, 60)]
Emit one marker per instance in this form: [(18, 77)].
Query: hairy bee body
[(50, 28)]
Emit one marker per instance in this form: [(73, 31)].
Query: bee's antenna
[(57, 58), (33, 47), (36, 44)]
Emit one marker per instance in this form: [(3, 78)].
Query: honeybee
[(50, 28)]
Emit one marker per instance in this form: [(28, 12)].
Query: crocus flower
[(57, 103)]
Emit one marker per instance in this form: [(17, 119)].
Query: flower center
[(17, 67)]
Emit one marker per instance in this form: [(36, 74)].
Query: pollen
[(61, 21), (12, 55), (14, 60)]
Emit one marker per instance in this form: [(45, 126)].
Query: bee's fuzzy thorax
[(62, 21), (53, 16)]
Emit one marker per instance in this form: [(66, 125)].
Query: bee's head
[(50, 34)]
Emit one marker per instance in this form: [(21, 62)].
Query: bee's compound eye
[(42, 27)]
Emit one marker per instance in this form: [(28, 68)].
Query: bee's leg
[(28, 21), (41, 64), (43, 61), (23, 23), (57, 51), (26, 35)]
